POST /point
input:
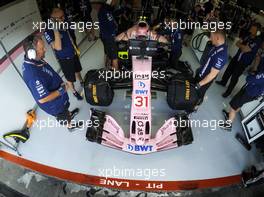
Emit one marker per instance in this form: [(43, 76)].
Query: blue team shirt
[(176, 41), (248, 57), (255, 85), (261, 63), (41, 81), (66, 42), (107, 23), (217, 58)]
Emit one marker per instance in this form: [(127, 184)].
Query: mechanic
[(162, 28), (208, 7), (215, 61), (45, 85), (85, 10), (196, 14), (213, 16), (141, 29), (259, 60), (248, 48), (176, 44), (123, 16), (164, 10), (66, 51), (108, 30), (69, 11), (253, 89), (244, 25)]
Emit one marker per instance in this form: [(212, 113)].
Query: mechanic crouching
[(215, 61)]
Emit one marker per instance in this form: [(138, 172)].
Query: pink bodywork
[(139, 141)]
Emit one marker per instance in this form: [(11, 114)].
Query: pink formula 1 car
[(109, 133)]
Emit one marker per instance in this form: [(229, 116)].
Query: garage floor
[(214, 154), (26, 183)]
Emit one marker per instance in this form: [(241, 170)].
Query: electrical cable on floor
[(197, 41)]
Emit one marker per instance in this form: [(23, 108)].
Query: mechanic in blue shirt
[(259, 60), (215, 61), (176, 44), (253, 89), (108, 30), (84, 8), (66, 51), (244, 57), (45, 85), (196, 14)]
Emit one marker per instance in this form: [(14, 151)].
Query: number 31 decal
[(141, 101)]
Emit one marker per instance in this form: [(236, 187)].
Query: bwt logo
[(141, 84), (139, 148), (141, 92)]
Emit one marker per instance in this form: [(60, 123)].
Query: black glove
[(197, 86)]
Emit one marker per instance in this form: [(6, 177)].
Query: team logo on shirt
[(48, 38), (252, 45), (109, 17), (260, 76), (47, 71), (219, 63), (40, 88)]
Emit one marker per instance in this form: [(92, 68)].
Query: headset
[(30, 48)]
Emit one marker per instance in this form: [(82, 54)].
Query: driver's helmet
[(142, 28)]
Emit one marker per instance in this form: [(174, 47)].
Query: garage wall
[(17, 22)]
